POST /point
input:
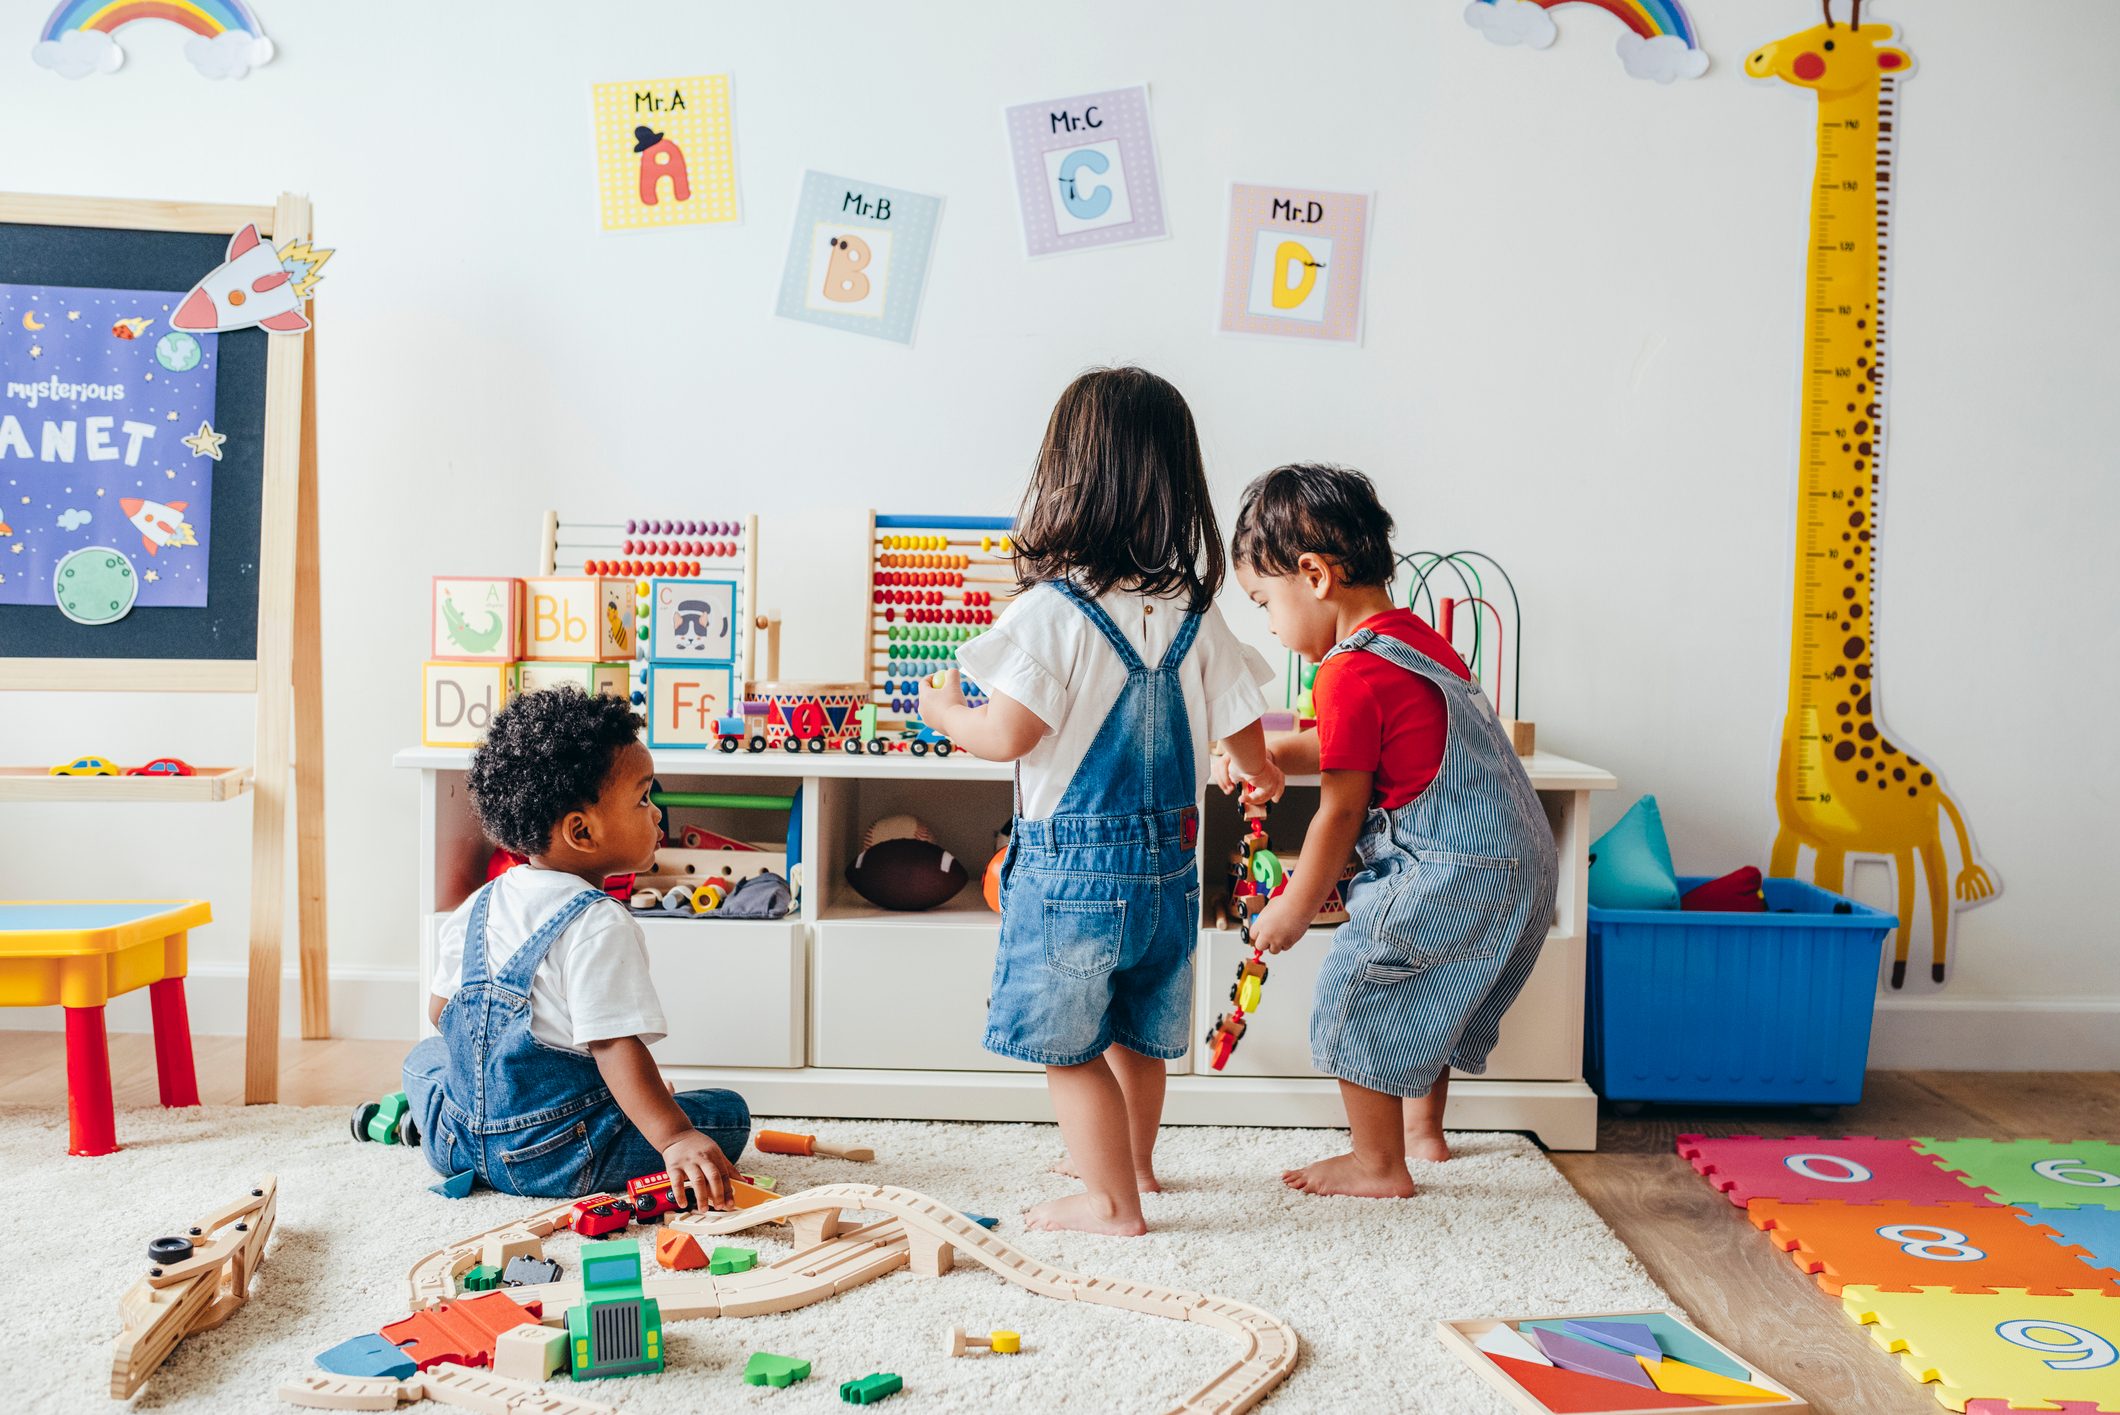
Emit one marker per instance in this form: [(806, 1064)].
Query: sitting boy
[(541, 1080)]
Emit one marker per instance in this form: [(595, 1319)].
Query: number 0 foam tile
[(2027, 1350), (1854, 1169), (1900, 1247), (2054, 1174)]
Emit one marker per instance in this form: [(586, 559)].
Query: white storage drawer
[(906, 991), (732, 990)]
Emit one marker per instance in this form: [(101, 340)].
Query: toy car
[(163, 766), (653, 1195), (1222, 1039), (1251, 979), (920, 739), (602, 1214), (386, 1122), (86, 766)]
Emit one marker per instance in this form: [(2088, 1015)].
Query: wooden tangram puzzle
[(1991, 1268)]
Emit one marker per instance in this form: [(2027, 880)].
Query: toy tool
[(192, 1283), (782, 1142)]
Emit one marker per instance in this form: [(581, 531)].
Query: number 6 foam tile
[(1855, 1169), (2034, 1352), (2054, 1174), (1903, 1247)]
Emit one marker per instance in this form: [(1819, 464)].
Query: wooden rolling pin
[(781, 1142)]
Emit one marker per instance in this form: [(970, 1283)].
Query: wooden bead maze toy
[(934, 583), (192, 1283), (1485, 655)]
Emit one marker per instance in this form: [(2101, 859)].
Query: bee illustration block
[(685, 701), (691, 621), (478, 620), (458, 700), (588, 619), (592, 678)]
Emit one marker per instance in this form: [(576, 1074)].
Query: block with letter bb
[(478, 619), (459, 700), (585, 618)]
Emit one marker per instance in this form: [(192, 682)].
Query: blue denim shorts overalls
[(1100, 901), (1448, 914), (528, 1117)]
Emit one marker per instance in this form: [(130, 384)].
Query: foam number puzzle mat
[(1991, 1268), (1619, 1363)]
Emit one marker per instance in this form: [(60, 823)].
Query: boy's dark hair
[(1312, 506), (1118, 497), (546, 754)]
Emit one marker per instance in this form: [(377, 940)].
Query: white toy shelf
[(847, 1010)]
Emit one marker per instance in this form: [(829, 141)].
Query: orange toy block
[(1901, 1247), (462, 1332), (678, 1250)]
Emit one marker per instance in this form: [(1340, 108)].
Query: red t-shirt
[(1375, 716)]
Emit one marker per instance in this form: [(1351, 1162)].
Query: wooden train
[(820, 718)]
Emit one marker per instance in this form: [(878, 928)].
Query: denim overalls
[(1100, 901), (529, 1117), (1449, 912)]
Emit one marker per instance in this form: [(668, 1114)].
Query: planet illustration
[(177, 351), (95, 585)]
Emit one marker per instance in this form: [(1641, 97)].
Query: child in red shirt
[(1455, 894)]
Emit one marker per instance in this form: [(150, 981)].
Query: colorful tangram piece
[(1572, 1354), (2019, 1348), (1679, 1341), (1901, 1247), (1571, 1391), (2054, 1174), (1634, 1338), (1677, 1378), (1504, 1340), (1857, 1169), (2096, 1231)]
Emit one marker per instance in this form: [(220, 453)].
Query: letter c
[(1094, 204)]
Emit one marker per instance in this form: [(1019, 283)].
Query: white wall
[(1583, 318)]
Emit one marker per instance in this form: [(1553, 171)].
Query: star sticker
[(73, 314), (172, 414), (206, 442), (36, 351), (150, 577)]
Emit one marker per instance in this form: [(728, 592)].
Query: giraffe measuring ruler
[(1845, 785)]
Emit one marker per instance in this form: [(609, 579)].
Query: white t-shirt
[(593, 984), (1046, 654)]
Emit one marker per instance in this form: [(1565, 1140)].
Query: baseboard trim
[(1996, 1034), (374, 1004)]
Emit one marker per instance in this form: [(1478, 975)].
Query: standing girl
[(1106, 681)]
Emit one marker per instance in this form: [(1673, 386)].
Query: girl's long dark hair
[(1118, 497)]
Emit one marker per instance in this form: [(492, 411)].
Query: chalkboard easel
[(259, 633)]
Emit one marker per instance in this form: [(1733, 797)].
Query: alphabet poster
[(665, 153), (1086, 171), (858, 256), (1294, 263), (106, 440)]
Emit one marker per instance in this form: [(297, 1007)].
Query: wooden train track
[(173, 1300)]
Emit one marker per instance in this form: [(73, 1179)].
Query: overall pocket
[(1447, 908), (556, 1166), (1083, 936)]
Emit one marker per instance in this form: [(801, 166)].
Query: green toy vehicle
[(387, 1122)]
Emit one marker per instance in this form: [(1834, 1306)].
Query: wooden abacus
[(646, 547), (934, 582)]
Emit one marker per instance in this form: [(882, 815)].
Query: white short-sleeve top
[(1046, 654)]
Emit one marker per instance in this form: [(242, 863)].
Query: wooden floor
[(1736, 1284)]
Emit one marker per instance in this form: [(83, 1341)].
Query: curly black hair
[(546, 753), (1316, 507)]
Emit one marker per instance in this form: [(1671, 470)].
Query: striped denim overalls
[(1449, 912)]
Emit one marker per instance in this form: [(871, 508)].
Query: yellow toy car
[(87, 766)]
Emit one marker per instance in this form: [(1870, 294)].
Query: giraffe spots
[(1847, 447), (1862, 361), (1890, 750), (1868, 752), (1859, 464), (1910, 791), (1912, 762), (1927, 780), (1863, 448), (1855, 518), (1862, 705), (1868, 733), (1853, 647), (1862, 535), (1862, 323), (1851, 407), (1847, 592), (1841, 708), (1808, 66), (1861, 775), (1845, 751), (1847, 564), (1854, 611), (1862, 670), (1899, 773), (1861, 426)]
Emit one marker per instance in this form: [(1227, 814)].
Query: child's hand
[(696, 1162), (1276, 929), (1222, 771), (1265, 784), (935, 702)]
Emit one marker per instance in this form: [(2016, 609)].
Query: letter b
[(843, 277)]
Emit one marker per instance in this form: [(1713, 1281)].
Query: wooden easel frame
[(287, 674)]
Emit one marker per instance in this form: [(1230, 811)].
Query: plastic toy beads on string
[(1263, 868)]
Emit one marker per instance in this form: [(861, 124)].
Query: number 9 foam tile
[(2030, 1351), (2054, 1174), (2003, 1407), (1854, 1169), (1901, 1247)]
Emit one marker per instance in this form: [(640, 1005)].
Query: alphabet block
[(478, 620), (606, 678), (691, 621), (530, 1353), (458, 700), (684, 703), (586, 619)]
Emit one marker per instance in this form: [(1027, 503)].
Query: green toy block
[(483, 1278), (879, 1385), (766, 1369), (732, 1260)]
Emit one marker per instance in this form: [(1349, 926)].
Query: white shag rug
[(1496, 1231)]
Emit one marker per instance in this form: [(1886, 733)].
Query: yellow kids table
[(78, 953)]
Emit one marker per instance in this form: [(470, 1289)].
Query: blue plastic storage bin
[(1748, 1009)]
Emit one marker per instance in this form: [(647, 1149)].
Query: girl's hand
[(1276, 929), (1221, 771), (1266, 784), (696, 1163), (937, 703)]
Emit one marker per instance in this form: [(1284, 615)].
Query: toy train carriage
[(795, 717), (1249, 893)]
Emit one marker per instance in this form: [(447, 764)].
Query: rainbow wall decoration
[(1658, 43), (80, 38)]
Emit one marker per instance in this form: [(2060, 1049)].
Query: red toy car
[(163, 766), (601, 1214), (653, 1195)]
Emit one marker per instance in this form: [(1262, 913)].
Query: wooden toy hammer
[(957, 1342), (782, 1142)]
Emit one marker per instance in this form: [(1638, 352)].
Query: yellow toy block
[(458, 701), (584, 618), (1677, 1378)]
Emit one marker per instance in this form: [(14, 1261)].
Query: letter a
[(664, 159), (1285, 295), (843, 280)]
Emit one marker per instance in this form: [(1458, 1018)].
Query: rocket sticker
[(254, 286), (159, 524)]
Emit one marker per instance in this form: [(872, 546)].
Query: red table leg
[(94, 1130), (173, 1069)]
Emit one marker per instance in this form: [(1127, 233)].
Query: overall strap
[(1400, 654), (516, 973), (1174, 656), (1094, 612), (475, 970)]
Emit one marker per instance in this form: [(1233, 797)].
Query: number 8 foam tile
[(2054, 1174), (2027, 1350), (1903, 1247), (1854, 1169)]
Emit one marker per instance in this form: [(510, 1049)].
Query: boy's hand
[(1276, 929), (935, 702), (1266, 784), (696, 1162)]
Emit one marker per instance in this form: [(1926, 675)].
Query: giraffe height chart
[(1844, 785)]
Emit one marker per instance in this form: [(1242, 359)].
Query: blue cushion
[(1630, 864)]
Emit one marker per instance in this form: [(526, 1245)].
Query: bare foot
[(1147, 1182), (1082, 1213), (1348, 1174), (1427, 1145)]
